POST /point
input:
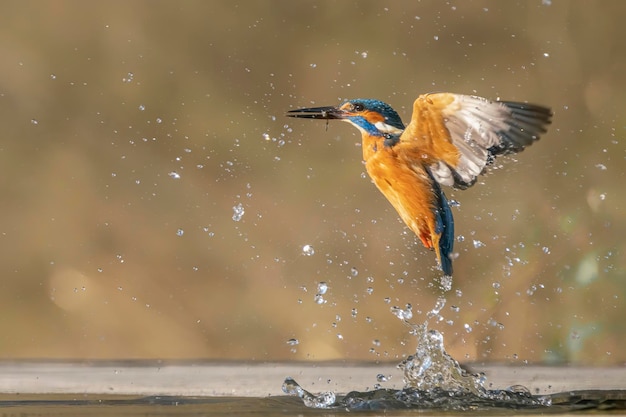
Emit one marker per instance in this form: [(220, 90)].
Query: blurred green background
[(156, 201)]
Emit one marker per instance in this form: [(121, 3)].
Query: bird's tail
[(444, 227)]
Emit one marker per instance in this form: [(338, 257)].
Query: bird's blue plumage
[(391, 116), (444, 224), (364, 124)]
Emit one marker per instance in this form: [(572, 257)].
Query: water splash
[(322, 400), (433, 380), (436, 310), (431, 367)]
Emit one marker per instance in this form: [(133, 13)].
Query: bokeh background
[(156, 203)]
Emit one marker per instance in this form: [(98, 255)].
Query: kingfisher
[(450, 140)]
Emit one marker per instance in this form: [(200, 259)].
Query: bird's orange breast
[(405, 183)]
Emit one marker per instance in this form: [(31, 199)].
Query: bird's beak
[(328, 112)]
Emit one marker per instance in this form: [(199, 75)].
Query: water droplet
[(308, 250), (34, 121), (129, 78), (445, 282), (293, 342), (494, 323), (238, 212), (180, 232), (478, 244), (322, 287), (381, 378), (439, 305), (319, 299), (142, 107), (53, 77), (403, 314), (354, 272)]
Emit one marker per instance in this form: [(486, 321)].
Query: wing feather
[(461, 134)]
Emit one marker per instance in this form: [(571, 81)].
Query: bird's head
[(371, 117)]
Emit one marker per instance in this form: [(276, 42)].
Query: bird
[(450, 140)]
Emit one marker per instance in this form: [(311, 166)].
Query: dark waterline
[(595, 401)]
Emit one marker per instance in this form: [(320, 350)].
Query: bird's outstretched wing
[(460, 135)]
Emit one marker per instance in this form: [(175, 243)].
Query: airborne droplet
[(238, 212), (308, 250)]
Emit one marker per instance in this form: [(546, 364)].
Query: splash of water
[(431, 367), (322, 400), (433, 380)]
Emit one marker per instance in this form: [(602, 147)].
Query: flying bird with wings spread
[(450, 140)]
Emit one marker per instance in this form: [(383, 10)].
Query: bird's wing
[(462, 134)]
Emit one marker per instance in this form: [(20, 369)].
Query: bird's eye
[(358, 107)]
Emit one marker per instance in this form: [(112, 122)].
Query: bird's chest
[(395, 173), (404, 182)]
